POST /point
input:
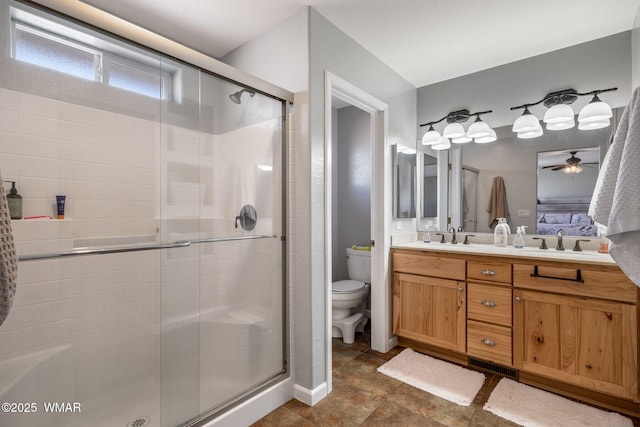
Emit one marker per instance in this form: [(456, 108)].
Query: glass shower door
[(223, 192)]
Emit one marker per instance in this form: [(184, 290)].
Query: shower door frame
[(276, 391)]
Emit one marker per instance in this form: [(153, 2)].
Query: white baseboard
[(257, 407), (393, 341), (310, 397)]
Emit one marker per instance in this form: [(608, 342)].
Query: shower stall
[(160, 299)]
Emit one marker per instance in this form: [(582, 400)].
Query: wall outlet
[(398, 225), (524, 213)]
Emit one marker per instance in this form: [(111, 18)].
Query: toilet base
[(346, 327)]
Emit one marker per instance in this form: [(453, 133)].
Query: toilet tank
[(359, 265)]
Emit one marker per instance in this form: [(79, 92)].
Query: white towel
[(8, 259), (616, 198)]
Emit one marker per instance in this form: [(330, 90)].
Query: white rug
[(443, 379), (532, 407)]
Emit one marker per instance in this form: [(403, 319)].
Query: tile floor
[(364, 397)]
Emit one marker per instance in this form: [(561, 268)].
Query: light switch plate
[(524, 213)]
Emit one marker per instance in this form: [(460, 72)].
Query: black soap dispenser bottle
[(15, 202)]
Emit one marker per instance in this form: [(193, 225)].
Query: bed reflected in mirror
[(566, 180)]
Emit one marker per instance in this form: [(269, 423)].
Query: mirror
[(566, 180), (474, 167), (429, 193), (432, 188), (404, 182)]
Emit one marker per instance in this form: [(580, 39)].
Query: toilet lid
[(347, 286)]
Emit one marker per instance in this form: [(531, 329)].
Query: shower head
[(235, 97)]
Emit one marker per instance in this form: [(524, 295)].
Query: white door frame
[(381, 337)]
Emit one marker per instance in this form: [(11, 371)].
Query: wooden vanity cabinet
[(429, 299), (561, 334), (564, 326)]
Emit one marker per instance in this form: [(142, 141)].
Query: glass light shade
[(558, 113), (462, 139), (486, 139), (595, 111), (478, 129), (572, 169), (453, 130), (431, 137), (444, 144), (525, 123), (594, 125), (530, 133), (566, 124)]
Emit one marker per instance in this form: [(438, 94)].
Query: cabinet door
[(430, 310), (591, 343)]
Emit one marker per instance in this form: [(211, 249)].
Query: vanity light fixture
[(560, 115), (454, 132)]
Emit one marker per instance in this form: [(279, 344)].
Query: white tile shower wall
[(103, 162)]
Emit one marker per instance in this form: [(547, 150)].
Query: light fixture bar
[(566, 96), (459, 116)]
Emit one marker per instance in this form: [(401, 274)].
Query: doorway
[(340, 93)]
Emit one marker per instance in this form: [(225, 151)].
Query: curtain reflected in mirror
[(404, 182), (566, 180)]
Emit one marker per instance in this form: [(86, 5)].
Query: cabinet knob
[(518, 299), (460, 289), (488, 272), (487, 303), (487, 341)]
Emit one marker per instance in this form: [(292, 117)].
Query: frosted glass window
[(57, 46), (135, 80), (46, 51)]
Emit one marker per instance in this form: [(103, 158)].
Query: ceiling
[(425, 41)]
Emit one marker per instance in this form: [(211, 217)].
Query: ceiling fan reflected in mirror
[(572, 164)]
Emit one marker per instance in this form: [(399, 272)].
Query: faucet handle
[(577, 247), (442, 240), (543, 245), (466, 239)]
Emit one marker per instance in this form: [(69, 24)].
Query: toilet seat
[(347, 286)]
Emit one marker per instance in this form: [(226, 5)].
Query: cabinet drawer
[(428, 265), (489, 342), (489, 303), (489, 271), (607, 283)]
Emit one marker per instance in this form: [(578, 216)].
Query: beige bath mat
[(443, 379), (531, 407)]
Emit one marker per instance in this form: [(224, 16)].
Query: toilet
[(348, 297)]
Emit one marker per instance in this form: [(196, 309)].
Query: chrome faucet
[(453, 235), (559, 246)]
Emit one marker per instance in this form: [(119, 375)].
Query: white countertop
[(587, 257)]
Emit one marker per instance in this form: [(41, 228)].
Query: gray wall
[(332, 50), (352, 220)]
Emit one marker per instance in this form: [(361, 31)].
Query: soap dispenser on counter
[(518, 242), (501, 233), (15, 202)]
